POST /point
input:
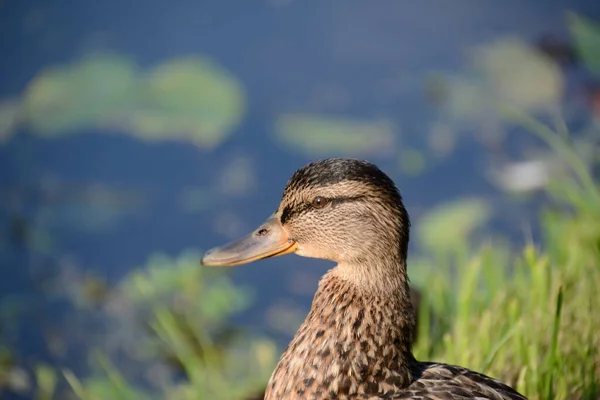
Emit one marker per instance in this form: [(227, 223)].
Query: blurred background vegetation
[(133, 136)]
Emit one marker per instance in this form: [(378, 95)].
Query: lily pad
[(189, 99), (519, 74), (466, 97), (586, 35), (320, 134), (411, 161), (508, 71), (448, 225), (93, 92)]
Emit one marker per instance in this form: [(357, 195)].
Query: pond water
[(100, 198)]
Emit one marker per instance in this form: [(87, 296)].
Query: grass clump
[(170, 321), (530, 317)]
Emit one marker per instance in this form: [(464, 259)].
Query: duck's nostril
[(206, 257), (262, 231)]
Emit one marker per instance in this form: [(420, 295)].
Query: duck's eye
[(320, 202)]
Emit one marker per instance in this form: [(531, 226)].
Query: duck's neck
[(355, 340)]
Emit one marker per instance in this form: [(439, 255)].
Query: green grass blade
[(554, 352)]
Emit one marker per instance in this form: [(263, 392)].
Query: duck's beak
[(269, 240)]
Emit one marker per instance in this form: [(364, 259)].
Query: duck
[(356, 341)]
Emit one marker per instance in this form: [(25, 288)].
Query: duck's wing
[(449, 382)]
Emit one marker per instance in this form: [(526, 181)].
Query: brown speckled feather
[(356, 346), (346, 347), (449, 382)]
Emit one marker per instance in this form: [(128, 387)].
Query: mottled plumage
[(356, 340)]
